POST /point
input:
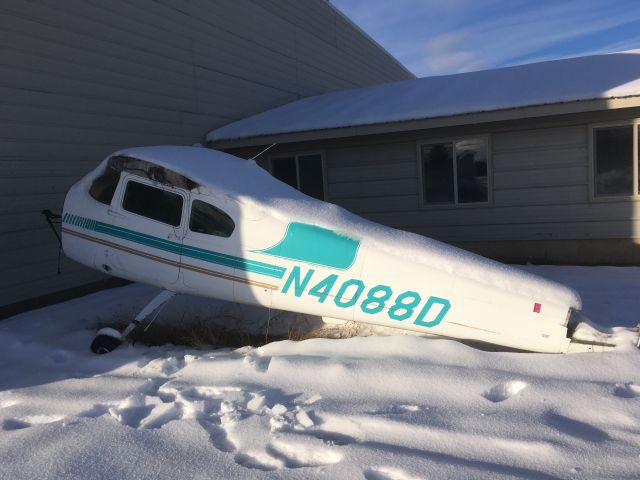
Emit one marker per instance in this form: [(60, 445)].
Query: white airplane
[(199, 221)]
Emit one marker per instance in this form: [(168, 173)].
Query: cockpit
[(159, 196)]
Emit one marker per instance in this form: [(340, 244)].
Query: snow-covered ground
[(378, 408)]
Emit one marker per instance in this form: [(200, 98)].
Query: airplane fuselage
[(188, 238)]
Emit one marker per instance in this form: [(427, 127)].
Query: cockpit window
[(154, 203), (210, 220), (145, 169), (103, 187)]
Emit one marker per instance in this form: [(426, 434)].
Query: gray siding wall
[(540, 190), (82, 78)]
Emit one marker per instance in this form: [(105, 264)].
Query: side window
[(310, 176), (455, 172), (437, 171), (154, 203), (103, 187), (285, 170), (303, 172), (207, 219), (613, 160)]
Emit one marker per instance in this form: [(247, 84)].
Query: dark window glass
[(437, 173), (613, 155), (471, 165), (210, 220), (284, 169), (103, 187), (311, 180), (154, 203)]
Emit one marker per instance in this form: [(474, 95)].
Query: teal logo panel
[(315, 245)]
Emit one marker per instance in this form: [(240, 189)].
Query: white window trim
[(455, 204), (635, 196), (296, 155)]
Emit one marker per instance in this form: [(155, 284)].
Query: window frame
[(124, 182), (635, 196), (456, 204), (296, 156)]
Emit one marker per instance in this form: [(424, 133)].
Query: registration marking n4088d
[(378, 299)]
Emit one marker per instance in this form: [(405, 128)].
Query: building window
[(154, 203), (614, 157), (303, 172), (455, 172)]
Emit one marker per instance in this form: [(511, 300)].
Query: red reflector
[(537, 307)]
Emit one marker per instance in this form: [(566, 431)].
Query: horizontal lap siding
[(540, 191), (373, 178), (82, 78)]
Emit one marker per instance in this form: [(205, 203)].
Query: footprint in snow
[(258, 461), (160, 415), (14, 424), (395, 409), (387, 473), (96, 411), (152, 386), (59, 357), (218, 435), (295, 455), (332, 438), (259, 364), (626, 390), (504, 391), (26, 422), (166, 366), (133, 410), (171, 365)]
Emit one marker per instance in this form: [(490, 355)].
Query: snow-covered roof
[(569, 80)]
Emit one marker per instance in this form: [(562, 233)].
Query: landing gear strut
[(108, 339)]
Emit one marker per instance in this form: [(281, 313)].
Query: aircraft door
[(145, 231), (210, 247)]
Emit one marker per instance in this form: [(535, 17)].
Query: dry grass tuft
[(200, 334), (337, 331), (226, 330)]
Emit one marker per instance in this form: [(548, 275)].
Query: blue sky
[(436, 37)]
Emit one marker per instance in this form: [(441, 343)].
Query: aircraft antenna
[(268, 148)]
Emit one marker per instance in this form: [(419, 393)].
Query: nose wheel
[(108, 339)]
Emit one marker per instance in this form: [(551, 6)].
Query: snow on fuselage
[(198, 221)]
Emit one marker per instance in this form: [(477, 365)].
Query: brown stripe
[(121, 247), (166, 261)]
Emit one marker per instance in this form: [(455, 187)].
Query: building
[(80, 80), (528, 163)]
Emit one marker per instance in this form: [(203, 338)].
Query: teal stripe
[(177, 248), (234, 262), (140, 238)]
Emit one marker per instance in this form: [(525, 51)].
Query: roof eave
[(434, 122)]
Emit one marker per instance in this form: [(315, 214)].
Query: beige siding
[(373, 179), (540, 190), (82, 78)]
